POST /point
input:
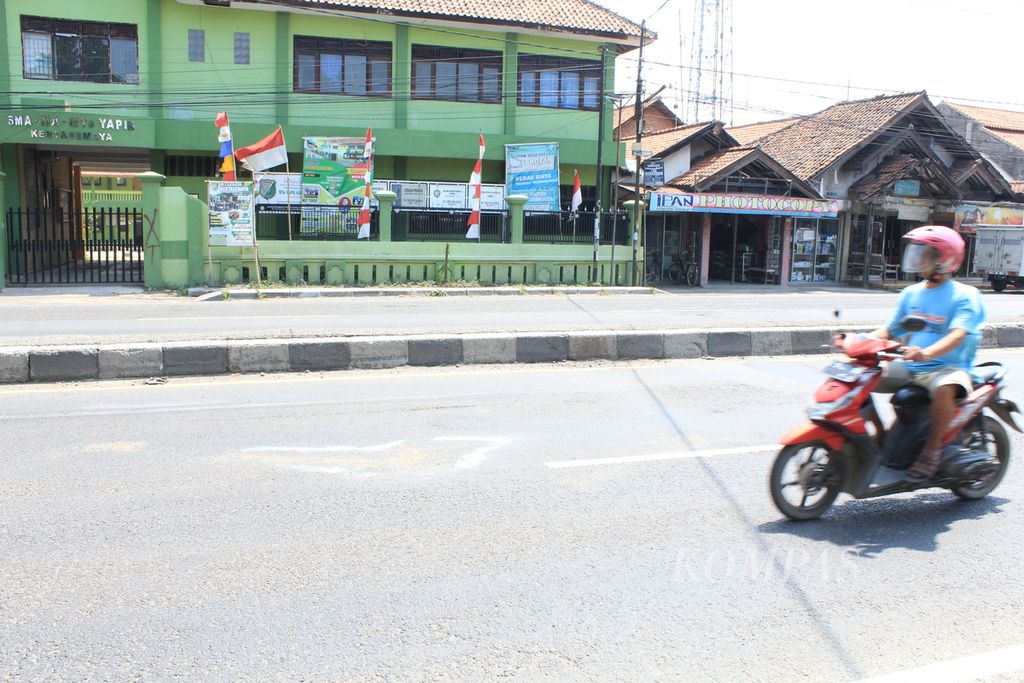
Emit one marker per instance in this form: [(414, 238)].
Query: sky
[(800, 56)]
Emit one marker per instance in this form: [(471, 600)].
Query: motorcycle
[(834, 452)]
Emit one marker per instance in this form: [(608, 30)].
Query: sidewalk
[(97, 333)]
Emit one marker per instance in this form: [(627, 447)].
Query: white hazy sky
[(799, 56)]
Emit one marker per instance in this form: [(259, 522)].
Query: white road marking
[(218, 318), (474, 458), (652, 457), (971, 668)]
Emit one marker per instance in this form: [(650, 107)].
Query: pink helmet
[(940, 248)]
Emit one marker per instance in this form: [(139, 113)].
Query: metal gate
[(56, 246)]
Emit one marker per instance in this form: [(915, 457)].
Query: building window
[(196, 45), (443, 73), (342, 67), (241, 48), (191, 166), (63, 50), (559, 82)]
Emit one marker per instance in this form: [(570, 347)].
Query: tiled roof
[(711, 165), (577, 16), (883, 177), (666, 139), (1018, 187), (752, 132), (1014, 138), (993, 118), (810, 145)]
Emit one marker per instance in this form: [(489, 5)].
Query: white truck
[(998, 256)]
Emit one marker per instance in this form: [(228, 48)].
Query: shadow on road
[(870, 527)]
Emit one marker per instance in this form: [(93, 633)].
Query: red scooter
[(836, 453)]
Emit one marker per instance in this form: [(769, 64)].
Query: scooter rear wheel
[(997, 443), (805, 480)]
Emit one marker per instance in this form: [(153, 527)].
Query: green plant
[(226, 294)]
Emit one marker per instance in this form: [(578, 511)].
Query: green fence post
[(386, 200), (152, 183), (517, 204), (3, 233)]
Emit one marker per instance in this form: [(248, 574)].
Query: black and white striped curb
[(117, 361)]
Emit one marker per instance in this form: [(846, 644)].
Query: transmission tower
[(710, 84)]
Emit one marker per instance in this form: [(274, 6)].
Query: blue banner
[(532, 170)]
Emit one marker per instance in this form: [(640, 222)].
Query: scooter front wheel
[(805, 480)]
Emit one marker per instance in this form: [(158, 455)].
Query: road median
[(211, 357)]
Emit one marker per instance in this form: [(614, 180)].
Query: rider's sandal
[(924, 468)]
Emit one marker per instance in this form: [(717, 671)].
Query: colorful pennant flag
[(267, 153), (577, 194), (474, 189), (364, 213), (227, 151)]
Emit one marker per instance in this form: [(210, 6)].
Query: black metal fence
[(57, 246), (311, 223), (564, 227), (443, 225)]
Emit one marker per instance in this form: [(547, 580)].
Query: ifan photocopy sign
[(766, 205)]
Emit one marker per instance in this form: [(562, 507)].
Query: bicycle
[(683, 269)]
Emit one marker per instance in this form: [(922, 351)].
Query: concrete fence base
[(78, 362)]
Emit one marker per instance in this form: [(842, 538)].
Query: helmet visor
[(919, 258)]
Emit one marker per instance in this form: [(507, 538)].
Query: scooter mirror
[(913, 323)]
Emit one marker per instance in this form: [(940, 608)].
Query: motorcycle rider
[(939, 357)]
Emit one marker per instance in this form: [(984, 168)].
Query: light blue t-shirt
[(949, 306)]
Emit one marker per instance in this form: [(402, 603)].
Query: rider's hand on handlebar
[(915, 353)]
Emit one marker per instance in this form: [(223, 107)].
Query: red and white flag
[(364, 213), (577, 194), (267, 153), (474, 195)]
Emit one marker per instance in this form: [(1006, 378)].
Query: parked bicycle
[(683, 269)]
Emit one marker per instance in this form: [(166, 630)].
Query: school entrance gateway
[(78, 217)]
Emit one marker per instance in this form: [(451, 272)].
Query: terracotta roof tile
[(993, 118), (812, 144), (711, 165), (580, 16), (666, 139), (752, 132), (1018, 187)]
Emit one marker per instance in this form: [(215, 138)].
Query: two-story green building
[(115, 88)]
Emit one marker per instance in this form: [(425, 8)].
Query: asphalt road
[(70, 316), (465, 524)]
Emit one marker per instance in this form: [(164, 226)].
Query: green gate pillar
[(386, 200), (152, 184), (634, 235), (516, 205), (3, 232)]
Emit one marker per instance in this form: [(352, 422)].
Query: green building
[(96, 93)]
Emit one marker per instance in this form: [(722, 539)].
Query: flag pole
[(252, 217), (287, 184)]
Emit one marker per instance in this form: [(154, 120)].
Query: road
[(63, 317), (474, 524)]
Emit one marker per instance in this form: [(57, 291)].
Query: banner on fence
[(532, 170), (448, 196), (230, 213), (279, 189), (333, 174)]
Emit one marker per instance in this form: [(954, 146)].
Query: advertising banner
[(654, 173), (448, 195), (230, 206), (970, 216), (333, 175), (279, 189), (706, 202), (532, 170)]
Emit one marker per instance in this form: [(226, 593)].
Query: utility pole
[(638, 113), (597, 180)]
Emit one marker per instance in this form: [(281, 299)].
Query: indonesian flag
[(364, 213), (577, 194), (267, 153), (474, 197), (227, 151)]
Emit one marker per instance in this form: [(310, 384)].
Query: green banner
[(333, 184)]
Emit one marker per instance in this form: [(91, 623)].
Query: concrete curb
[(228, 293), (78, 362)]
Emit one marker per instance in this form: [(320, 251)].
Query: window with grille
[(559, 82), (444, 73), (191, 166), (66, 50), (241, 48), (342, 67), (196, 45)]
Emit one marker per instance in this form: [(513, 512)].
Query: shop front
[(760, 239)]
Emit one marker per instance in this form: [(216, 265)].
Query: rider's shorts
[(896, 375)]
